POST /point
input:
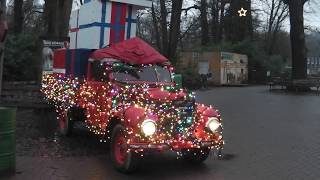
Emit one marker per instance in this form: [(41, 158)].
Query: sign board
[(48, 47), (234, 68), (227, 56)]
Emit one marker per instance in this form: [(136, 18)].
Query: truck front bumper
[(176, 146)]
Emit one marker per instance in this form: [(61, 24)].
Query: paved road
[(268, 135)]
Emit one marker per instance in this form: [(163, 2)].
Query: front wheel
[(123, 160), (195, 155)]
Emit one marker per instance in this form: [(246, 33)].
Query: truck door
[(99, 99)]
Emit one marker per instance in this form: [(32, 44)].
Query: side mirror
[(177, 79)]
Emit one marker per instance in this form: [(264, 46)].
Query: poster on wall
[(48, 47), (234, 69), (203, 67)]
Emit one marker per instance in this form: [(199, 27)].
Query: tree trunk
[(50, 13), (57, 16), (221, 23), (299, 63), (155, 26), (271, 19), (65, 7), (239, 28), (2, 18), (174, 29), (18, 16), (204, 23), (249, 18), (214, 23), (164, 31)]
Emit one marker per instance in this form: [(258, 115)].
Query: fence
[(22, 94)]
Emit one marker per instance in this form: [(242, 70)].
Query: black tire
[(131, 160), (195, 156), (68, 121)]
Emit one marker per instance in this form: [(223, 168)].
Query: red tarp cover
[(59, 58), (132, 51)]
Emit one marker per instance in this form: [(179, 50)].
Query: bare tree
[(277, 12), (50, 17), (2, 19), (169, 27), (298, 46), (155, 25), (57, 16), (174, 33), (32, 17), (215, 25), (204, 22), (18, 16), (217, 19), (65, 7), (164, 28), (239, 28), (221, 19)]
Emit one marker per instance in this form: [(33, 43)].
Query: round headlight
[(213, 124), (148, 127)]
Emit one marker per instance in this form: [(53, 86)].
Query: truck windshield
[(146, 74)]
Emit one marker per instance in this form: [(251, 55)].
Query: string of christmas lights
[(179, 119)]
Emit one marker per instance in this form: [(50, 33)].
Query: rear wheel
[(123, 160), (66, 123), (195, 155)]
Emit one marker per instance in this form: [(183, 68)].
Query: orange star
[(242, 12)]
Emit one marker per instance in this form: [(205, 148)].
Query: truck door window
[(163, 74), (136, 74)]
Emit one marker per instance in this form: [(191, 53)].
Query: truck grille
[(182, 125)]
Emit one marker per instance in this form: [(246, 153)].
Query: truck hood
[(164, 95)]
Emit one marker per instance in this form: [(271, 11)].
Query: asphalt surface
[(269, 135)]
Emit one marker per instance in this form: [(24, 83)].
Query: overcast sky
[(312, 14)]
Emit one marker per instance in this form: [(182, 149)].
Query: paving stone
[(269, 135)]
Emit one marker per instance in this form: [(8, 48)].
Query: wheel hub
[(120, 148)]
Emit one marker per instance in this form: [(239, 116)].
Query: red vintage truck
[(126, 93)]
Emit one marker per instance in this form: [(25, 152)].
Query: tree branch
[(189, 8)]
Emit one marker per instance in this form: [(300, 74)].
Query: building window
[(195, 55)]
